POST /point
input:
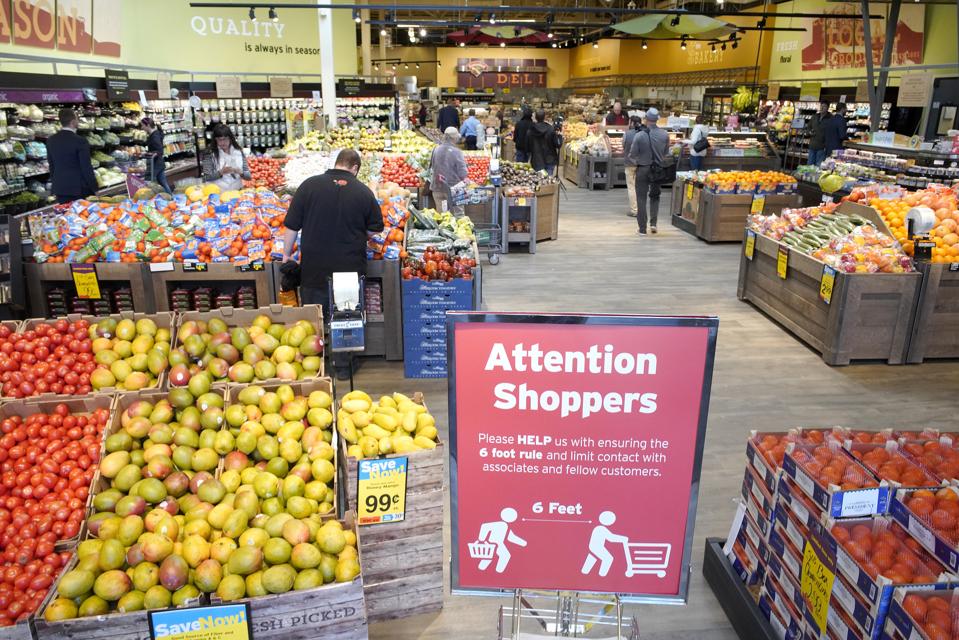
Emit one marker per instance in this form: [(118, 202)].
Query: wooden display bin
[(869, 318), (686, 205), (547, 212), (168, 276), (163, 320), (935, 332), (43, 276), (278, 314), (403, 561), (722, 216)]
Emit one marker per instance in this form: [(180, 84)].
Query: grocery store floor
[(764, 378)]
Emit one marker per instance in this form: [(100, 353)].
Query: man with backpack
[(649, 152), (543, 143)]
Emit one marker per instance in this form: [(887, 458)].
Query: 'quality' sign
[(576, 444)]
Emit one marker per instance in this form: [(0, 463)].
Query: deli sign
[(500, 73)]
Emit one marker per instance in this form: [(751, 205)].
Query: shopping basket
[(481, 550), (647, 558)]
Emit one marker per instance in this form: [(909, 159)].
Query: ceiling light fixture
[(417, 65), (382, 32), (549, 35), (554, 45), (462, 44), (682, 43), (712, 48), (252, 14), (479, 17), (376, 67), (517, 31), (422, 32), (645, 45), (356, 16), (735, 44), (761, 23), (596, 45), (273, 16), (723, 46), (674, 22), (439, 64), (502, 44), (492, 18), (394, 67), (406, 66)]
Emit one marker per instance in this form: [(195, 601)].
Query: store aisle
[(764, 378)]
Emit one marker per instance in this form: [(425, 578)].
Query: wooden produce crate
[(167, 276), (42, 277), (77, 405), (869, 317), (334, 611), (113, 626), (403, 561), (277, 313), (163, 320), (723, 216), (547, 212), (935, 332), (302, 388)]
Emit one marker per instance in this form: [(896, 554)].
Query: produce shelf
[(224, 277), (508, 204), (935, 332), (733, 596), (384, 336), (42, 278), (869, 318)]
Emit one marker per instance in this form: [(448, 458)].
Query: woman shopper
[(699, 132), (157, 173), (448, 166), (225, 164)]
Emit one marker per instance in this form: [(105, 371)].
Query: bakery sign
[(500, 73)]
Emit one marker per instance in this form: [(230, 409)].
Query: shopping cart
[(647, 558), (489, 240), (481, 550)]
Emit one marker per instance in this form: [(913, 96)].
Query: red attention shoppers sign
[(576, 445)]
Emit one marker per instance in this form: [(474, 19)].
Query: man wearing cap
[(649, 147), (449, 168), (68, 154)]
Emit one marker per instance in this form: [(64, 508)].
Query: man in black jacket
[(68, 154), (520, 134), (543, 144), (448, 116)]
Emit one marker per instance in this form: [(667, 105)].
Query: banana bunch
[(393, 424), (745, 100)]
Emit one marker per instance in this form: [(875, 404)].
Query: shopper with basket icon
[(492, 540)]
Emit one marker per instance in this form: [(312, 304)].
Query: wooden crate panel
[(335, 611), (425, 473), (19, 631), (407, 596), (935, 333), (869, 319), (390, 559)]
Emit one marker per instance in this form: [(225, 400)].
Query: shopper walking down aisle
[(815, 127), (68, 155), (616, 117), (449, 116), (449, 168), (470, 130), (698, 144), (635, 125), (520, 133), (333, 213), (543, 144), (225, 164), (155, 148), (649, 147), (423, 115), (835, 131)]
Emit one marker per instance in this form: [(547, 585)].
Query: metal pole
[(324, 19), (619, 618), (517, 608), (867, 36), (875, 112)]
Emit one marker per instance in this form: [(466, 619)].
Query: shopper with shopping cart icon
[(492, 540), (641, 557)]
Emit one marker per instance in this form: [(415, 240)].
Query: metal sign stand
[(564, 614)]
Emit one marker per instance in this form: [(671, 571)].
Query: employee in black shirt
[(333, 211), (68, 155)]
